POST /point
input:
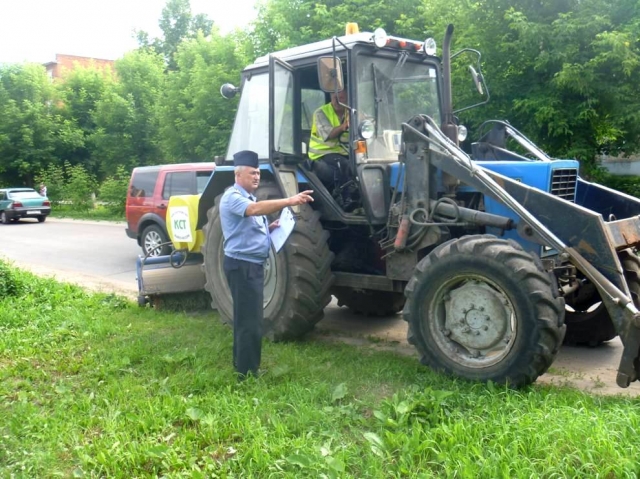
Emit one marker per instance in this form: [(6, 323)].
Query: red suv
[(149, 191)]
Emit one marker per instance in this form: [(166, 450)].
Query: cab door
[(282, 111), (283, 135)]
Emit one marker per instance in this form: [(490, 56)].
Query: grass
[(97, 213), (92, 386)]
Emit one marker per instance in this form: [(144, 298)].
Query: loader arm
[(578, 234)]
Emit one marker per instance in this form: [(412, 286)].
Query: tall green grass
[(98, 213), (92, 386)]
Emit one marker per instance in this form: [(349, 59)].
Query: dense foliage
[(562, 71)]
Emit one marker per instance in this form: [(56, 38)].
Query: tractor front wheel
[(483, 309)]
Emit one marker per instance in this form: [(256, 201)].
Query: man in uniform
[(246, 248)]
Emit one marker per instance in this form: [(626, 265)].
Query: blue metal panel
[(395, 170), (533, 173)]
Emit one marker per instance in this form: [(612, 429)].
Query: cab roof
[(314, 49)]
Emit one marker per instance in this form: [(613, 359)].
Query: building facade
[(66, 63)]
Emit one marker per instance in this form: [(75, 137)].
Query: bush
[(54, 178), (10, 283), (113, 191), (626, 184), (79, 188)]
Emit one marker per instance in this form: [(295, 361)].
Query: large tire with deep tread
[(369, 302), (631, 267), (592, 326), (588, 322), (483, 309), (301, 271)]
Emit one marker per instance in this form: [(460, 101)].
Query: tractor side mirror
[(330, 74), (477, 79), (228, 91)]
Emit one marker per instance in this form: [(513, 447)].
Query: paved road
[(99, 255), (77, 251)]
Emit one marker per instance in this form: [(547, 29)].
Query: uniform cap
[(246, 158)]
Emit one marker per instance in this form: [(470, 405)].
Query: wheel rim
[(473, 321), (151, 242)]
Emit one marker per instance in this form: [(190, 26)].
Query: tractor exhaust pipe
[(449, 126)]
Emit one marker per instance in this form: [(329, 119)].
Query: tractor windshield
[(392, 91)]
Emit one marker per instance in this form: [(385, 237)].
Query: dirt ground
[(589, 369)]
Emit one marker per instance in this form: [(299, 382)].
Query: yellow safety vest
[(318, 147)]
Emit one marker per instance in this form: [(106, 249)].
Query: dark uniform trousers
[(246, 282)]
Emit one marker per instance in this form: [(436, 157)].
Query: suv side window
[(178, 183), (202, 178), (3, 196), (143, 184)]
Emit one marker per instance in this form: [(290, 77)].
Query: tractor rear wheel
[(587, 319), (297, 280), (631, 267), (369, 302), (483, 309)]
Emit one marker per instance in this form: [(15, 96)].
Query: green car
[(17, 203)]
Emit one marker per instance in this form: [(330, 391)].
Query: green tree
[(79, 92), (30, 131), (285, 23), (195, 120), (562, 71), (126, 116), (177, 24)]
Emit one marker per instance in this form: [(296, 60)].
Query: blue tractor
[(494, 257)]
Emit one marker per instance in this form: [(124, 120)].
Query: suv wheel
[(152, 237)]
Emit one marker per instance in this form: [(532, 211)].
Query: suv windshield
[(392, 91)]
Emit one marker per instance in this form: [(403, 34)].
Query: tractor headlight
[(429, 46), (380, 37), (462, 133), (366, 129)]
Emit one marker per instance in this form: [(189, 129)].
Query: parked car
[(17, 203), (150, 188)]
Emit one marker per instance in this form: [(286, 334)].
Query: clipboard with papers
[(280, 235)]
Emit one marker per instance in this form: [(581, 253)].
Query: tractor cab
[(388, 80)]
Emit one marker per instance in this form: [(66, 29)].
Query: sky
[(35, 30)]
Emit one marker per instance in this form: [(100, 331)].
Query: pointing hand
[(301, 198)]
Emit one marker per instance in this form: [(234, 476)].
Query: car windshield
[(391, 91), (24, 195)]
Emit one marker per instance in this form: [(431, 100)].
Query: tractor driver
[(329, 145)]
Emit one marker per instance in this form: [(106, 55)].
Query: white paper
[(280, 234)]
